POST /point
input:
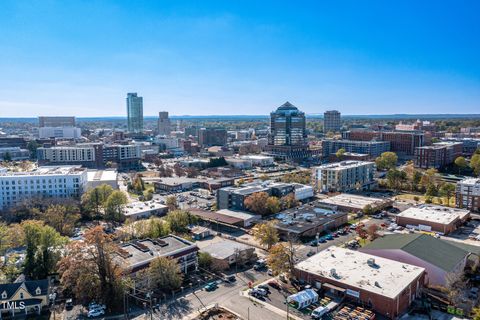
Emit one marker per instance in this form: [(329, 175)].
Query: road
[(226, 295)]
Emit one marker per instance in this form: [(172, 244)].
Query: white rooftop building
[(344, 176), (141, 210), (99, 177)]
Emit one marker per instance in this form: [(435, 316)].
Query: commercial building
[(15, 153), (387, 286), (432, 218), (248, 219), (372, 148), (177, 184), (288, 135), (344, 176), (59, 133), (438, 155), (356, 203), (439, 257), (96, 178), (164, 126), (208, 137), (227, 253), (137, 255), (141, 210), (467, 194), (308, 221), (331, 121), (302, 191), (32, 295), (43, 182), (134, 113), (56, 121)]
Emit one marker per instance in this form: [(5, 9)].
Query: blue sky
[(239, 57)]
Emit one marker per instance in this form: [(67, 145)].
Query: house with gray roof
[(439, 257), (23, 298)]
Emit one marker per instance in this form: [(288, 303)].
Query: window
[(21, 295), (4, 295), (38, 291)]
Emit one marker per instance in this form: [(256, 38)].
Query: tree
[(256, 203), (361, 232), (164, 274), (475, 163), (192, 172), (461, 164), (217, 162), (288, 201), (114, 206), (32, 146), (432, 190), (138, 185), (372, 231), (340, 154), (278, 259), (266, 234), (447, 190), (171, 203), (89, 272), (94, 199), (43, 246), (264, 177), (273, 205), (62, 218), (179, 220), (204, 260), (395, 179), (368, 209), (179, 171), (387, 160), (476, 313)]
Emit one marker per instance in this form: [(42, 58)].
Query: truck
[(319, 312)]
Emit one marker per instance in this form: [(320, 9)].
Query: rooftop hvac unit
[(333, 273), (371, 262)]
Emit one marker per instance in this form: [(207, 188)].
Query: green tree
[(171, 203), (94, 200), (368, 209), (387, 160), (62, 218), (395, 179), (179, 220), (340, 154), (164, 274), (432, 190), (114, 206), (32, 146), (475, 163), (447, 190), (266, 234), (204, 260), (461, 164)]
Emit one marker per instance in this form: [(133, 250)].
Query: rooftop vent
[(371, 262)]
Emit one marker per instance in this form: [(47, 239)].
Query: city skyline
[(377, 59)]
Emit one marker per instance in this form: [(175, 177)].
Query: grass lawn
[(421, 199)]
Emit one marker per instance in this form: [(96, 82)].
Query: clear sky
[(239, 57)]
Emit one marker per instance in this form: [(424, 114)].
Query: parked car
[(95, 313), (328, 237), (229, 278), (270, 272), (69, 304), (274, 284), (264, 287), (211, 286), (260, 264), (259, 292), (310, 253)]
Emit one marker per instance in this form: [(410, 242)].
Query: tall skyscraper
[(288, 136), (287, 126), (164, 125), (331, 121), (135, 113)]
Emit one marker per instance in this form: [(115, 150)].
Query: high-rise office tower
[(135, 113), (287, 126), (164, 126), (331, 121)]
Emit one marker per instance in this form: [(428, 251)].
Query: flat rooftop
[(102, 175), (238, 214), (139, 253), (48, 170), (435, 214), (224, 249), (354, 201), (176, 180), (137, 207), (470, 182), (387, 277), (344, 165)]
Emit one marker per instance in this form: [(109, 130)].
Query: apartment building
[(437, 155), (467, 194), (331, 121), (372, 148), (44, 182), (344, 176)]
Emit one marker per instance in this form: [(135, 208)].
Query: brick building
[(438, 155)]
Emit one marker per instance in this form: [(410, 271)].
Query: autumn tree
[(475, 163), (171, 203), (114, 206), (266, 234), (278, 259), (62, 218), (89, 272), (387, 160), (164, 274), (372, 231), (340, 154), (368, 209), (273, 205), (256, 203), (288, 201)]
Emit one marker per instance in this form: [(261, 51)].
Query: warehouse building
[(356, 203), (387, 286), (433, 218)]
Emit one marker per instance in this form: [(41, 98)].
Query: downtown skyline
[(224, 58)]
